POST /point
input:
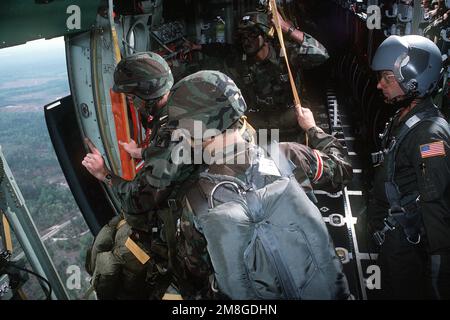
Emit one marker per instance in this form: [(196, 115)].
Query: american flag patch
[(432, 149)]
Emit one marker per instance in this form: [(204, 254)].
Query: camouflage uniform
[(323, 165), (145, 199), (212, 98), (195, 269), (265, 84), (142, 194), (148, 77), (116, 271)]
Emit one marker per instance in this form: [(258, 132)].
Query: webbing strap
[(170, 230), (137, 251), (273, 9), (172, 296), (409, 220), (392, 191), (120, 224), (6, 232)]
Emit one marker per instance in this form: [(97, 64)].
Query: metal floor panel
[(351, 241)]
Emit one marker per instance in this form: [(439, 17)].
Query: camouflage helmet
[(210, 98), (255, 20), (145, 74)]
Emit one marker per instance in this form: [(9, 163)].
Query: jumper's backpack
[(265, 238)]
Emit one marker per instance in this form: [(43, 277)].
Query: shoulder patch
[(433, 149)]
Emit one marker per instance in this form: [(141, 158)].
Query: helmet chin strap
[(151, 106), (402, 101), (145, 107)]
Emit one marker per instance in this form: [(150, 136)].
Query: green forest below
[(28, 150)]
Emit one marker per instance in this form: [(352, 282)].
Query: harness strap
[(6, 232), (121, 223), (198, 201), (137, 251), (394, 193), (273, 8), (170, 232), (403, 209), (168, 217)]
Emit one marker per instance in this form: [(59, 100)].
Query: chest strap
[(403, 209)]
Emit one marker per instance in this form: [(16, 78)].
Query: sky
[(28, 56), (32, 59), (33, 74), (36, 46)]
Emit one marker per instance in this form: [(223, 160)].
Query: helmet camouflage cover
[(207, 97), (145, 74), (255, 20)]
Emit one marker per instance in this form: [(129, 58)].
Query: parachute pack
[(265, 237)]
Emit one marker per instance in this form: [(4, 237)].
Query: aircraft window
[(131, 49), (137, 37), (31, 76)]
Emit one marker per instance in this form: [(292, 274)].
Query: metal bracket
[(335, 220)]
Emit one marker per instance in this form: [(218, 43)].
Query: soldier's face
[(144, 107), (389, 86), (252, 42), (162, 101)]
